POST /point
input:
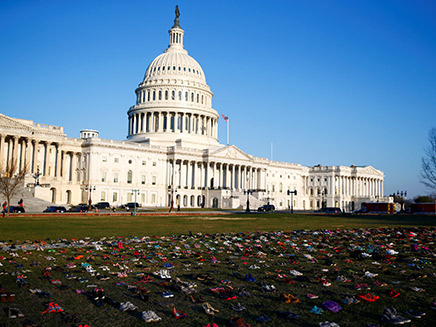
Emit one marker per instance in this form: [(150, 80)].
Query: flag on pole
[(226, 118)]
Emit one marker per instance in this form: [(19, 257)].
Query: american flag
[(226, 118)]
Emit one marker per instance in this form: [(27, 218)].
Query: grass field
[(229, 247), (71, 226)]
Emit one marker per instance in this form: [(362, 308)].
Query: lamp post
[(36, 177), (323, 194), (90, 188), (134, 205), (248, 191), (402, 195), (292, 193)]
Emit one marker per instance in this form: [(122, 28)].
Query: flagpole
[(228, 123)]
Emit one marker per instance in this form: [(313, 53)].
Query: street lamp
[(291, 193), (89, 189), (402, 195), (36, 177), (134, 205), (248, 191), (323, 193)]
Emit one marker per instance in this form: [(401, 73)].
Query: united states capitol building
[(172, 154)]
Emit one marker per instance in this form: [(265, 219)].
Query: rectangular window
[(143, 162), (143, 179), (142, 197), (115, 197), (103, 196), (104, 159), (103, 177), (154, 163), (115, 177), (116, 160), (153, 198), (153, 181), (129, 196)]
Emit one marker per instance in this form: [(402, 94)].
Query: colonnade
[(345, 186), (214, 175), (40, 156), (172, 122)]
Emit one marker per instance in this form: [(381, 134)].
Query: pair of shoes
[(209, 309), (391, 315), (415, 314), (167, 294), (263, 318), (316, 310), (209, 325), (199, 299), (328, 324), (7, 297), (238, 322), (392, 293), (127, 306), (289, 298), (287, 315), (238, 307), (368, 297), (150, 316), (179, 314), (53, 307), (332, 306), (350, 300), (14, 313), (249, 278)]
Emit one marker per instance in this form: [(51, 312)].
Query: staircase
[(254, 202), (31, 204)]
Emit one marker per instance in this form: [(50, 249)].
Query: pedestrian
[(20, 203), (5, 205)]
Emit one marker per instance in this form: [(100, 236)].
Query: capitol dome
[(174, 102)]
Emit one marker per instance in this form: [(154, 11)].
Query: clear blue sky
[(328, 82)]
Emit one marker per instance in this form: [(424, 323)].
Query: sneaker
[(390, 315), (311, 296), (328, 324), (415, 314)]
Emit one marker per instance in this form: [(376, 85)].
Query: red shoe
[(178, 314)]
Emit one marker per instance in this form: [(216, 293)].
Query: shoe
[(238, 322), (167, 294), (178, 314), (287, 315), (238, 307), (263, 318), (316, 310), (332, 306), (415, 314), (328, 324), (390, 315), (368, 297), (311, 296), (392, 293)]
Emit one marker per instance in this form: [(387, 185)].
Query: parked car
[(55, 209), (16, 209), (131, 206), (103, 205), (329, 210), (79, 208), (266, 208)]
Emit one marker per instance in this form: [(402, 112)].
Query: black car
[(131, 206), (103, 205), (329, 210), (79, 208), (55, 209), (16, 209), (266, 208)]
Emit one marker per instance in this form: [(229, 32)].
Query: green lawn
[(69, 226)]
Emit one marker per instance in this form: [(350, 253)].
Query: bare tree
[(10, 179), (428, 165)]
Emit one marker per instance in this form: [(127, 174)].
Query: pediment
[(11, 123), (371, 170), (230, 152)]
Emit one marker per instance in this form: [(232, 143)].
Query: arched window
[(148, 95), (202, 98), (129, 177), (154, 95), (173, 95), (180, 95), (186, 96), (166, 95), (281, 187), (192, 97), (160, 95), (198, 98)]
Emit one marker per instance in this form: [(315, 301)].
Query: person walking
[(20, 203), (5, 205)]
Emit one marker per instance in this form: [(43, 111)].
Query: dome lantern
[(176, 33)]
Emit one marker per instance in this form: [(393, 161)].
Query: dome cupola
[(173, 102)]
